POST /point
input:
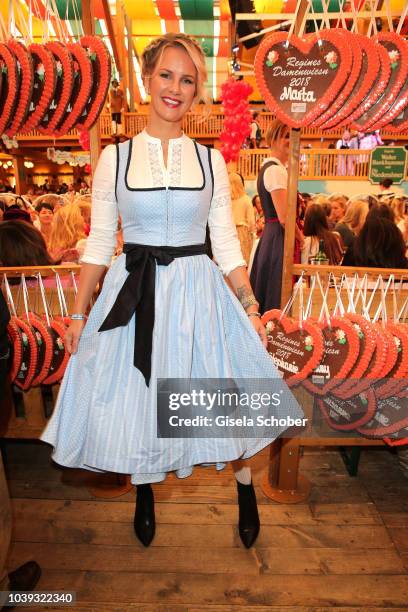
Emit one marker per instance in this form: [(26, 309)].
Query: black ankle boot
[(144, 521), (248, 524)]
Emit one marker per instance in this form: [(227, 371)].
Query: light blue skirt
[(105, 417)]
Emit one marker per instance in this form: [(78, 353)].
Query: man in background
[(116, 98)]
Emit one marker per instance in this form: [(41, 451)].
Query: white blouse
[(276, 176), (147, 170)]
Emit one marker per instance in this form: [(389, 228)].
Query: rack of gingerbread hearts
[(335, 78), (52, 87), (351, 358), (36, 333)]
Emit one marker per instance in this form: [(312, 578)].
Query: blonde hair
[(275, 131), (84, 203), (339, 198), (322, 201), (237, 188), (67, 228), (152, 55), (397, 205), (355, 215)]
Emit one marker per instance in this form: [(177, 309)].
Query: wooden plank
[(220, 536), (208, 560), (203, 514), (178, 588), (399, 536)]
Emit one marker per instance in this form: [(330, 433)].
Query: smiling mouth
[(171, 103)]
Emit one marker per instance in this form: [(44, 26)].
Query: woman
[(379, 244), (266, 272), (45, 216), (338, 204), (21, 244), (259, 215), (352, 222), (188, 324), (316, 228), (67, 237), (243, 214)]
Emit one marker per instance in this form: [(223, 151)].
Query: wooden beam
[(88, 24), (128, 23), (20, 174), (112, 36), (293, 175), (120, 29)]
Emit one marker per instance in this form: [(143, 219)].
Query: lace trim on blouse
[(175, 171), (98, 194), (221, 202), (155, 167)]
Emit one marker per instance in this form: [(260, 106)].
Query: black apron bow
[(138, 292)]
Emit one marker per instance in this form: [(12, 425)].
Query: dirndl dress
[(105, 416)]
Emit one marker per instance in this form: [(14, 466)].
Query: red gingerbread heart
[(341, 350), (391, 417), (368, 345), (398, 112), (348, 414), (377, 89), (366, 79), (398, 374), (295, 349), (299, 79), (397, 50), (340, 102)]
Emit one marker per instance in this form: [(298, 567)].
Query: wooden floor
[(346, 549)]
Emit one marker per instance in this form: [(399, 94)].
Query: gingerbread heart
[(295, 349), (391, 417), (398, 374), (400, 123), (398, 113), (341, 350), (368, 345), (346, 415), (340, 102), (101, 68), (366, 79), (45, 78), (9, 85), (81, 89), (25, 86), (397, 50), (63, 87), (299, 79), (377, 89)]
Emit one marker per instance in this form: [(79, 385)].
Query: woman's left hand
[(260, 329)]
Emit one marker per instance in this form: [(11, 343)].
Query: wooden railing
[(206, 123), (315, 164)]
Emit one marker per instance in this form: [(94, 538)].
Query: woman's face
[(337, 211), (172, 86), (46, 216)]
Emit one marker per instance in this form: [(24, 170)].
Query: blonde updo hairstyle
[(152, 55), (276, 130)]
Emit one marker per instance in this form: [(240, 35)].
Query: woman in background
[(316, 228), (352, 222), (243, 214), (67, 239), (266, 272)]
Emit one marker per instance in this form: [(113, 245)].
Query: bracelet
[(77, 317), (254, 314)]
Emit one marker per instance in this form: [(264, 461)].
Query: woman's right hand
[(72, 336)]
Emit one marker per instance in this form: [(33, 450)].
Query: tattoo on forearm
[(246, 297)]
